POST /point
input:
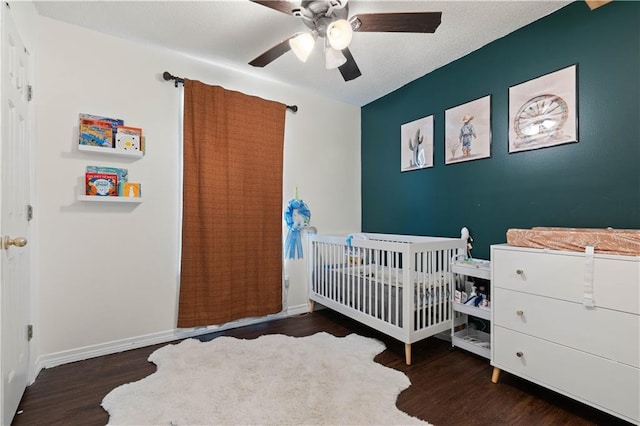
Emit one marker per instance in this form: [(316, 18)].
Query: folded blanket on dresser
[(606, 241)]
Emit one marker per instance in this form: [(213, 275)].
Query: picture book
[(123, 174), (101, 184), (95, 133), (129, 138), (130, 189), (128, 142), (113, 123), (127, 130)]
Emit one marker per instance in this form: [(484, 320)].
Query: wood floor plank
[(448, 387)]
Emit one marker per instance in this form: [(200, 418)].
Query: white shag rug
[(271, 380)]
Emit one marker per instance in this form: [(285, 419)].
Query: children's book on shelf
[(130, 189), (107, 132), (101, 184), (128, 130), (113, 123), (129, 138), (123, 174), (460, 297), (95, 133)]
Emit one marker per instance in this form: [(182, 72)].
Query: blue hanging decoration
[(297, 216)]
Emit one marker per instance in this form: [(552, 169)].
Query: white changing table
[(544, 330)]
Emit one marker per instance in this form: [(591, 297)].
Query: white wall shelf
[(111, 151), (474, 341), (108, 199)]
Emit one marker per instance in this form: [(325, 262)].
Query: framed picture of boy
[(468, 131)]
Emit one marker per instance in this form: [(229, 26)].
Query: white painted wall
[(108, 273)]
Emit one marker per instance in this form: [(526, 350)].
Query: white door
[(14, 202)]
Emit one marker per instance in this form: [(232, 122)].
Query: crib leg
[(407, 353), (495, 375), (312, 306)]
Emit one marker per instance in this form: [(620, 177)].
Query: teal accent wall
[(592, 183)]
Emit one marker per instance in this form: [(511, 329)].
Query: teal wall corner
[(592, 183)]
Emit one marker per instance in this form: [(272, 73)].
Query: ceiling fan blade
[(349, 69), (412, 22), (272, 54), (279, 5)]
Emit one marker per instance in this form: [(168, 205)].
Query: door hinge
[(29, 92), (29, 212), (29, 332)]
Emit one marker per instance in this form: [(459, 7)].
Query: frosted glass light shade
[(302, 45), (333, 58), (339, 34)]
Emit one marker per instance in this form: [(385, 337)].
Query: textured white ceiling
[(233, 32)]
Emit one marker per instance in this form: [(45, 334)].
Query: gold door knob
[(18, 242)]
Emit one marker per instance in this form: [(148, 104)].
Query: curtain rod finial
[(167, 77)]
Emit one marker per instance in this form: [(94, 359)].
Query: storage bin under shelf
[(474, 341)]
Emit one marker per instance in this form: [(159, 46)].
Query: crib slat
[(377, 286)]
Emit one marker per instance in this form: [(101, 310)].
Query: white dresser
[(542, 328)]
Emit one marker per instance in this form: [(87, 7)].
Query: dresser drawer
[(605, 384), (561, 275), (610, 334)]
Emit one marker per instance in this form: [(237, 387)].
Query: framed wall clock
[(543, 112)]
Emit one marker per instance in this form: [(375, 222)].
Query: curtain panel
[(231, 264)]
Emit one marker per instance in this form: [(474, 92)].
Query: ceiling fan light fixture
[(302, 45), (339, 34), (333, 58), (338, 4)]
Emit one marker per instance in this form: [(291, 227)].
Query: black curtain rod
[(177, 80)]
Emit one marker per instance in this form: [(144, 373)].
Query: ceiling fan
[(329, 20)]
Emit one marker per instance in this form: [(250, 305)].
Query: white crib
[(400, 285)]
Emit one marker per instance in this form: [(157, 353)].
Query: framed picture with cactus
[(467, 133), (416, 144)]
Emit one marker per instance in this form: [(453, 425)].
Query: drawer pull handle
[(519, 271), (519, 313), (519, 354)]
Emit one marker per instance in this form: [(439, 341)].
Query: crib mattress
[(390, 276), (384, 286), (624, 242)]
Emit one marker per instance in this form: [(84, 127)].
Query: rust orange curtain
[(231, 265)]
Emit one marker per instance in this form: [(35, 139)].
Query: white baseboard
[(297, 310), (93, 351)]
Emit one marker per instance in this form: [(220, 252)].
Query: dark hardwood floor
[(449, 387)]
